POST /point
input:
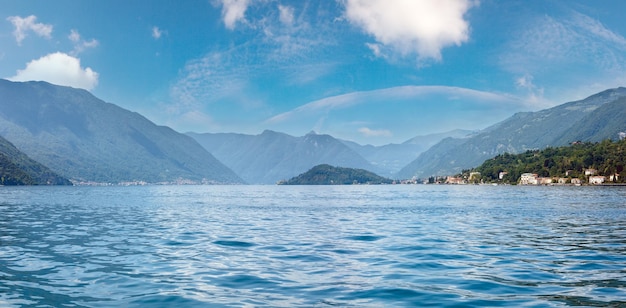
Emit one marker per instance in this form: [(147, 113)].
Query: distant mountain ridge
[(598, 116), (272, 156), (16, 168), (391, 158), (87, 140)]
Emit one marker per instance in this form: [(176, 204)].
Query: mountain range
[(88, 140), (391, 158), (595, 118), (272, 156), (84, 139)]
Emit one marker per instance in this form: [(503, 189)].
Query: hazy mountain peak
[(83, 138), (271, 156)]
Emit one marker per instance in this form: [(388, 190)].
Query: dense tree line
[(607, 157)]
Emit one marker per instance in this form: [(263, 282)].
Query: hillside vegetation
[(606, 157), (18, 169), (595, 118), (329, 175)]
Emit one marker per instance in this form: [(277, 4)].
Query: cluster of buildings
[(591, 174), (591, 177), (473, 177)]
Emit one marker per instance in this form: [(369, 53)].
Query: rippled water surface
[(313, 246)]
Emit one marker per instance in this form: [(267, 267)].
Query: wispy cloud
[(290, 49), (233, 11), (212, 78), (400, 112), (367, 132), (286, 14), (408, 27), (574, 47), (390, 95), (534, 92), (80, 45), (565, 41), (26, 24), (58, 68), (156, 33), (597, 29)]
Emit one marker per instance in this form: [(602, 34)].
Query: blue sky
[(371, 71)]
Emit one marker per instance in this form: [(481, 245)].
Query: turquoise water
[(312, 246)]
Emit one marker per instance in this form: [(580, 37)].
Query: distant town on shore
[(578, 164)]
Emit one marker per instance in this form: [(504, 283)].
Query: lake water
[(312, 246)]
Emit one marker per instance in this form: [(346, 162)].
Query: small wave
[(240, 244), (168, 301), (304, 258), (365, 238), (243, 281)]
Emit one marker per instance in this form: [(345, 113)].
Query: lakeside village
[(591, 178), (580, 163)]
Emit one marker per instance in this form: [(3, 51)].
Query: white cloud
[(394, 94), (234, 11), (58, 68), (367, 132), (396, 114), (79, 44), (412, 27), (156, 33), (525, 82), (535, 93), (74, 36), (377, 49), (23, 25), (286, 14)]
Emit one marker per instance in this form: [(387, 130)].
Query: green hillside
[(18, 169), (607, 157), (329, 175), (595, 118)]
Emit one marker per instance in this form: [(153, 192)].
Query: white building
[(528, 179), (591, 171), (597, 179)]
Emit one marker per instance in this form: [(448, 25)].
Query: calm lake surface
[(312, 246)]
